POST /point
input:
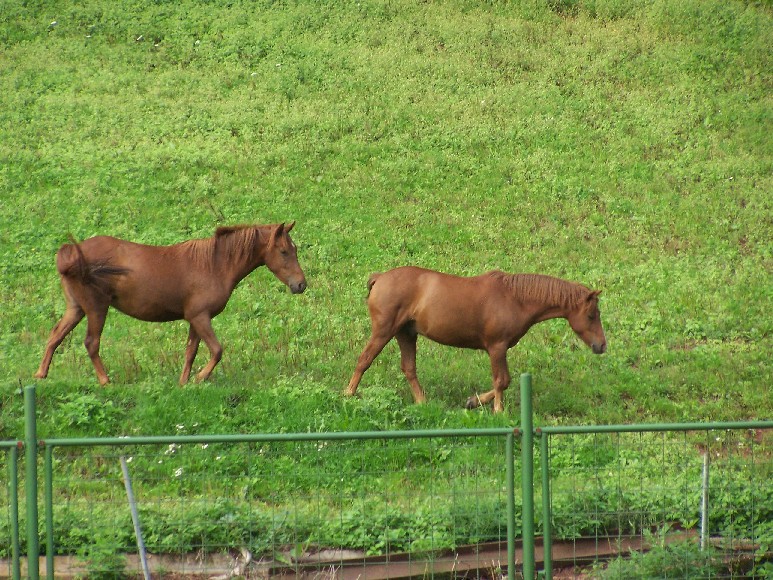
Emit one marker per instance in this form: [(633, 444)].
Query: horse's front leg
[(407, 343), (202, 326), (190, 354), (500, 378), (501, 375)]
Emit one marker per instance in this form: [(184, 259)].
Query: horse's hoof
[(472, 403)]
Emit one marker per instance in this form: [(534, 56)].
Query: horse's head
[(282, 258), (585, 320)]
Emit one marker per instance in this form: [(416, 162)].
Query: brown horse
[(489, 312), (192, 280)]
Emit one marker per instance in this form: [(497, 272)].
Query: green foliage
[(103, 559), (676, 560), (686, 559)]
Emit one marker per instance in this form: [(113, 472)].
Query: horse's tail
[(372, 281), (71, 263)]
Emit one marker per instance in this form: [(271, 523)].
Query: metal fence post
[(547, 528), (31, 483), (527, 477), (13, 468), (705, 501), (510, 458), (48, 475)]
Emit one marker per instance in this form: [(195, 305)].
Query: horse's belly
[(148, 306), (458, 332), (149, 313), (458, 341)]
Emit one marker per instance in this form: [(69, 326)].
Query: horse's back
[(402, 282), (409, 281), (446, 308)]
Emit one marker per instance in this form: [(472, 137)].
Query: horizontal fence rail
[(429, 503)]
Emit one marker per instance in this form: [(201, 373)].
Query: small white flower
[(178, 472), (204, 445)]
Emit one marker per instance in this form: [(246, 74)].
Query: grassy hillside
[(625, 145)]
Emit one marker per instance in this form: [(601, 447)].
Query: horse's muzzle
[(599, 348), (298, 287)]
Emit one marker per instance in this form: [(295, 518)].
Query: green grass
[(625, 145)]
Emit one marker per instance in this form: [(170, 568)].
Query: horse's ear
[(276, 234), (593, 295), (289, 226)]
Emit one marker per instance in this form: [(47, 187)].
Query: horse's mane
[(542, 288), (234, 242)]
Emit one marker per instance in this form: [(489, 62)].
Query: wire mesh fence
[(318, 508), (685, 504)]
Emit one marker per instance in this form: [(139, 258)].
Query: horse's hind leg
[(190, 354), (72, 316), (375, 345), (95, 315), (202, 326), (407, 342)]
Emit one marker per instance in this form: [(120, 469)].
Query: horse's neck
[(547, 308), (232, 266), (545, 312)]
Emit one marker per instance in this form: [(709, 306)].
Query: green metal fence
[(9, 496), (702, 494), (284, 498), (435, 503)]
